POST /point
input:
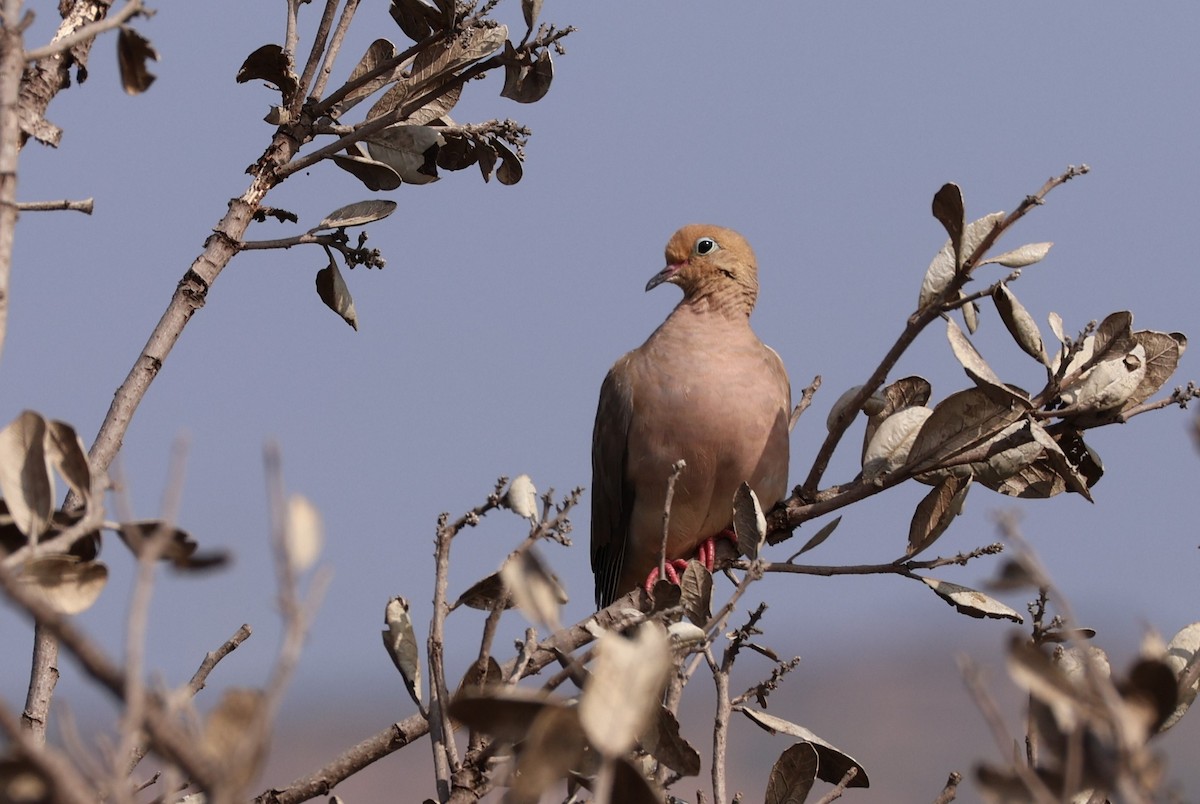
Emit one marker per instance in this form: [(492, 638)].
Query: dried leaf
[(554, 746), (485, 155), (133, 51), (976, 367), (947, 263), (25, 478), (506, 713), (821, 535), (695, 588), (936, 511), (1149, 695), (374, 175), (533, 587), (527, 80), (63, 582), (1020, 324), (333, 291), (235, 735), (410, 150), (949, 209), (685, 635), (356, 214), (971, 602), (1059, 462), (304, 534), (401, 643), (522, 498), (792, 775), (1181, 652), (970, 314), (622, 693), (485, 595), (1027, 254), (1113, 338), (178, 547), (510, 170), (482, 674), (1107, 385), (531, 9), (379, 51), (841, 407), (457, 153), (748, 521), (1162, 357), (664, 742), (269, 63), (959, 422), (892, 442), (66, 453), (416, 19), (903, 393), (833, 762), (631, 784), (1056, 326)]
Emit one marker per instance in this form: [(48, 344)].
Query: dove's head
[(711, 263)]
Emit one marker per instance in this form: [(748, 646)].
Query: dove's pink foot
[(706, 554)]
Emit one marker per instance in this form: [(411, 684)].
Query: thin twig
[(335, 46), (69, 786), (676, 469), (85, 206), (314, 56), (90, 31), (950, 789), (840, 787)]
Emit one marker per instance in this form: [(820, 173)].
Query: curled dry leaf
[(976, 367), (526, 79), (971, 602), (356, 214), (749, 523), (416, 18), (1162, 351), (622, 693), (893, 439), (970, 314), (522, 498), (379, 51), (63, 582), (133, 51), (950, 210), (1183, 651), (304, 534), (374, 175), (793, 774), (25, 478), (531, 9), (903, 393), (553, 747), (269, 63), (66, 453), (949, 261), (401, 643), (510, 170), (533, 587), (506, 713), (664, 742), (872, 404), (833, 762), (936, 511), (685, 635), (1027, 254), (410, 150), (1020, 324), (333, 291), (821, 535)]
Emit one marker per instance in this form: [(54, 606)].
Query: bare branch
[(59, 45), (85, 206)]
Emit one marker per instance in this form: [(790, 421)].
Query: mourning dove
[(702, 388)]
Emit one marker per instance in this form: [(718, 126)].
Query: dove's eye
[(705, 245)]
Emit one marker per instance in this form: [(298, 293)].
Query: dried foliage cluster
[(603, 724)]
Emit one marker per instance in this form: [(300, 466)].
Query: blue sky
[(820, 131)]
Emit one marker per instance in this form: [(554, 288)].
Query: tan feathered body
[(703, 388)]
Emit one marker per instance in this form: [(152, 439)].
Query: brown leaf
[(235, 735), (63, 582), (66, 453), (333, 291), (1150, 695), (374, 175), (527, 80), (936, 511), (1020, 324), (356, 214), (1162, 357), (792, 775), (531, 9), (971, 602), (485, 595), (950, 211), (664, 742), (410, 150), (553, 746), (416, 19), (903, 393), (695, 589), (891, 443), (821, 535), (959, 422), (269, 63), (133, 51), (379, 51), (506, 713), (510, 170), (533, 587), (25, 478), (630, 786), (179, 547), (482, 673), (976, 367), (833, 762), (749, 524), (457, 153), (486, 156), (1021, 257)]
